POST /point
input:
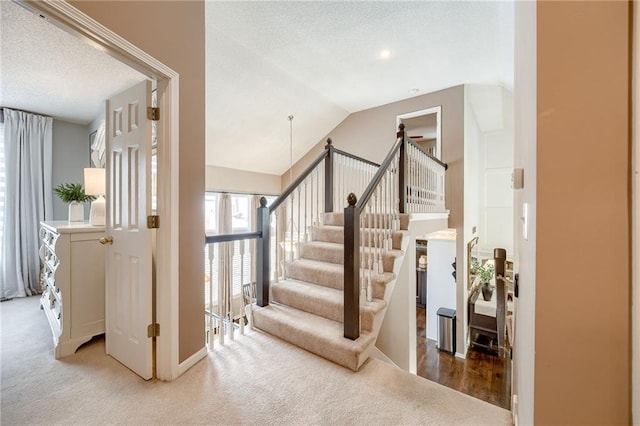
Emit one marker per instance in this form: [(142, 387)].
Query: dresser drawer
[(73, 273)]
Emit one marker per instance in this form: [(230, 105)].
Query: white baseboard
[(191, 361)]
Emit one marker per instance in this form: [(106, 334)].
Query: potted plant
[(74, 195), (485, 272)]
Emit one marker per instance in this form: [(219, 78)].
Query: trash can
[(447, 330)]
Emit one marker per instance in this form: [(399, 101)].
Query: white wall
[(397, 338), (525, 126), (488, 196), (472, 179), (70, 157), (231, 180)]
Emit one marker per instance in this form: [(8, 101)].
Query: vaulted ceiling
[(318, 61)]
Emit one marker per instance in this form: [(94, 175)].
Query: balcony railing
[(409, 181)]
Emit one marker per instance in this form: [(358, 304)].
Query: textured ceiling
[(320, 61), (48, 71), (265, 61)]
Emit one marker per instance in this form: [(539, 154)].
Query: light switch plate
[(517, 178)]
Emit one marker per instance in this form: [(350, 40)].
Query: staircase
[(306, 308)]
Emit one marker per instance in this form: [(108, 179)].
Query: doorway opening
[(165, 298)]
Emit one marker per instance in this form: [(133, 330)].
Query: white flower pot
[(76, 212)]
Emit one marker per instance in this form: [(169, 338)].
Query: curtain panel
[(28, 142)]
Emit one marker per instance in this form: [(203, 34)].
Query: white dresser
[(73, 298)]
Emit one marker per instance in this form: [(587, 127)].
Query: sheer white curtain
[(28, 200)]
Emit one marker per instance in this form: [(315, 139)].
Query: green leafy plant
[(484, 271), (69, 192)]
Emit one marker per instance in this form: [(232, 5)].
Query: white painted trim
[(72, 20), (192, 360), (434, 110), (429, 216)]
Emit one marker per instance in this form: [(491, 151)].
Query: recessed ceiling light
[(385, 54)]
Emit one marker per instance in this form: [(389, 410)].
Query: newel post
[(402, 170), (262, 254), (351, 269), (328, 178)]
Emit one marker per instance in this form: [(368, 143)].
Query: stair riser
[(325, 277), (336, 255), (336, 235), (367, 220), (331, 278), (332, 311), (297, 334)]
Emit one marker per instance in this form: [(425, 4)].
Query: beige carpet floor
[(255, 379)]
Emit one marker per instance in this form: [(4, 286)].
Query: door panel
[(129, 278)]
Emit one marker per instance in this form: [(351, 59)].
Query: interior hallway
[(481, 375), (254, 379)]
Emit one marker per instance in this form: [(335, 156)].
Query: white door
[(128, 284)]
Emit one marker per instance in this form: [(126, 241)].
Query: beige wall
[(582, 317), (173, 32), (371, 133), (223, 179)]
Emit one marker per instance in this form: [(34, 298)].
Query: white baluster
[(211, 322), (296, 252), (241, 242), (221, 298), (278, 271)]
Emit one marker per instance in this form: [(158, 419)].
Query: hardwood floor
[(482, 375)]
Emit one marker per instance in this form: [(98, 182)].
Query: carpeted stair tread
[(322, 251), (321, 336), (328, 233), (334, 253), (332, 275), (337, 218), (322, 301), (335, 234)]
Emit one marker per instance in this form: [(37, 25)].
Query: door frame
[(437, 110), (70, 19), (635, 225)]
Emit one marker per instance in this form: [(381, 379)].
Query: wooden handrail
[(292, 186), (224, 238), (427, 154), (355, 157), (377, 178)]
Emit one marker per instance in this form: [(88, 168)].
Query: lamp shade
[(94, 181)]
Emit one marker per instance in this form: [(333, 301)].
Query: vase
[(487, 291), (76, 212)]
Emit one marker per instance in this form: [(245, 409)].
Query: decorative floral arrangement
[(484, 271), (70, 192)]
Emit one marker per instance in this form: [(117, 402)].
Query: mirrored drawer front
[(48, 238)]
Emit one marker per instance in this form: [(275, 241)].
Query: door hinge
[(153, 330), (153, 113), (153, 222)]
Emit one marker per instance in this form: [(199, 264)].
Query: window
[(240, 215), (241, 218), (211, 212)]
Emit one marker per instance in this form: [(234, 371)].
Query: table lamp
[(94, 184)]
